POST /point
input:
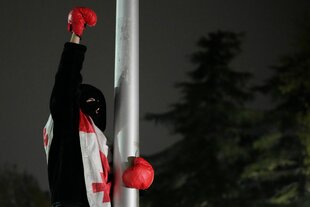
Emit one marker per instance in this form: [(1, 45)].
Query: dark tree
[(279, 175), (203, 169), (20, 189)]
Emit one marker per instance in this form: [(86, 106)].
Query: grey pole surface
[(126, 95)]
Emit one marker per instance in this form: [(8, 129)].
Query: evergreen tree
[(20, 189), (279, 175), (203, 169)]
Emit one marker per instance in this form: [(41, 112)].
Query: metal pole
[(126, 86)]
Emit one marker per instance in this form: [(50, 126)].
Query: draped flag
[(95, 163)]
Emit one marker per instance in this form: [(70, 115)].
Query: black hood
[(92, 103)]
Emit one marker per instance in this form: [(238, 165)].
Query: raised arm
[(64, 100)]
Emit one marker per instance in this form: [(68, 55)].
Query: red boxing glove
[(140, 175), (79, 17)]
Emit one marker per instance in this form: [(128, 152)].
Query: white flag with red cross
[(94, 155)]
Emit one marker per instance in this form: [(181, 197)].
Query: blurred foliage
[(20, 189), (204, 168), (281, 166), (231, 155)]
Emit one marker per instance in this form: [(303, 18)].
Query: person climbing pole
[(77, 152)]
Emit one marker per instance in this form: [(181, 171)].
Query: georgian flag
[(95, 163)]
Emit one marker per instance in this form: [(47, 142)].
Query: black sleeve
[(64, 102)]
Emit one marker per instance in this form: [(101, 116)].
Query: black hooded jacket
[(65, 166)]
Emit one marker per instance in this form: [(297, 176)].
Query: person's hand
[(79, 17), (140, 175)]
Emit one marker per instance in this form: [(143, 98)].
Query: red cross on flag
[(95, 163), (94, 156)]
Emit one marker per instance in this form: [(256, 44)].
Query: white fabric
[(91, 145)]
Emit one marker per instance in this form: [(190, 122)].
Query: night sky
[(32, 37)]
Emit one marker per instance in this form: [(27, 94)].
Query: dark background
[(33, 32)]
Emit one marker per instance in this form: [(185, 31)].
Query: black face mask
[(92, 103)]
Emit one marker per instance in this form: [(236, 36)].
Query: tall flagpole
[(126, 86)]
